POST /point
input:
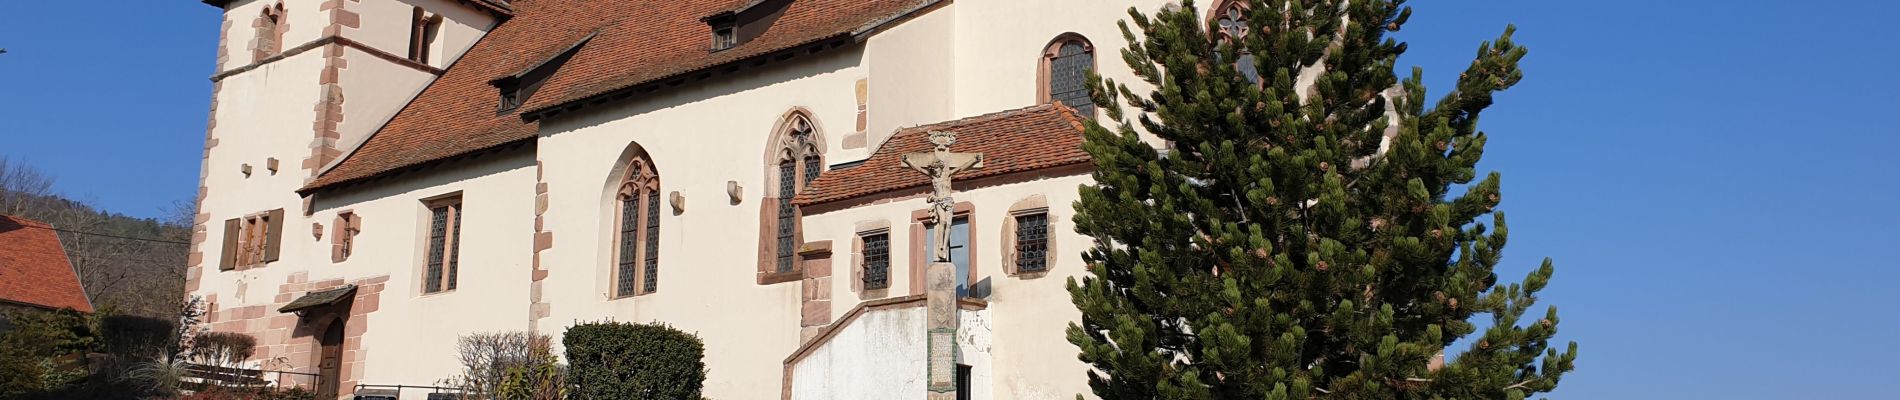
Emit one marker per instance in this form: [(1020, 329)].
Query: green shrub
[(614, 360), (45, 352)]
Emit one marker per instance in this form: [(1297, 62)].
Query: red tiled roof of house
[(632, 43), (34, 269), (1039, 137)]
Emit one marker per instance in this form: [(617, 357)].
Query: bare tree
[(120, 260), (23, 189)]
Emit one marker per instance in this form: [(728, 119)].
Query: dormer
[(735, 27), (725, 31), (518, 87)]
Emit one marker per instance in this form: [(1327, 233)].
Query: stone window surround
[(1049, 53), (269, 27), (453, 200), (424, 29), (868, 228), (1034, 204), (1221, 7), (262, 231), (781, 146), (917, 262), (638, 161), (343, 238)]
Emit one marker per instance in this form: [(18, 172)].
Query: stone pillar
[(940, 305)]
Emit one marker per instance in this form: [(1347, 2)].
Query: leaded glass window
[(637, 264), (800, 159), (455, 236), (1032, 242), (786, 188), (652, 257), (1233, 27), (877, 260), (438, 237), (1068, 76), (445, 232), (629, 233)]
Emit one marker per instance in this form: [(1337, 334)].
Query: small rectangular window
[(1032, 242), (877, 260), (252, 240), (445, 230), (724, 37), (510, 98)]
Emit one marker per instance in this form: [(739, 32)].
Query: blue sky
[(1714, 179)]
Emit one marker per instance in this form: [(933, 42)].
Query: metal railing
[(394, 392)]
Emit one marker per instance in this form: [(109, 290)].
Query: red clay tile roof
[(34, 269), (1043, 136), (635, 42)]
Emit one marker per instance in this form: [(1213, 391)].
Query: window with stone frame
[(1230, 24), (1032, 242), (268, 31), (442, 245), (252, 240), (637, 238), (796, 159), (424, 27), (876, 260), (343, 237), (1028, 238), (1066, 63)]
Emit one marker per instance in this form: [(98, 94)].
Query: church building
[(381, 177)]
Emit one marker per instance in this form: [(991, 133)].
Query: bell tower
[(297, 84)]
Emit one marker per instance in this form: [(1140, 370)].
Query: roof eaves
[(647, 85), (309, 189), (857, 35)]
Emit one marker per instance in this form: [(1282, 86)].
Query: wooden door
[(330, 360)]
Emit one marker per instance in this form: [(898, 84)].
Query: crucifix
[(940, 294), (939, 165)]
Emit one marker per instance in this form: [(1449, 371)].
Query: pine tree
[(1285, 245)]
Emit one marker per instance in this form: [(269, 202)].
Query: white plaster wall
[(880, 355), (999, 46), (385, 26), (1029, 354), (975, 339), (306, 24), (374, 89), (266, 113), (911, 78), (699, 136), (411, 338), (262, 114)]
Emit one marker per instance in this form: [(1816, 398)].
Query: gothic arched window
[(1066, 63), (637, 236), (1230, 22), (795, 158)]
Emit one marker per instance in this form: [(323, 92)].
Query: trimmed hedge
[(615, 360)]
